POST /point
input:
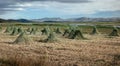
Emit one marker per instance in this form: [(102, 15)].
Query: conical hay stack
[(33, 31), (66, 32), (114, 32), (15, 31), (51, 38), (20, 30), (7, 30), (71, 33), (22, 39), (29, 29), (58, 31), (77, 35), (94, 31), (45, 31)]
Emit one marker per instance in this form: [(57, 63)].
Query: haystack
[(66, 32), (33, 31), (29, 29), (8, 30), (94, 31), (51, 38), (45, 31), (22, 39), (20, 30), (15, 31), (114, 32), (71, 33), (77, 35), (57, 31)]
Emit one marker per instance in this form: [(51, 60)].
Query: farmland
[(37, 49)]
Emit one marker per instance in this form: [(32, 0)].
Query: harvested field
[(97, 50)]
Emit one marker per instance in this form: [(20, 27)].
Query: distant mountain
[(2, 20), (15, 20), (82, 19), (19, 20), (48, 20)]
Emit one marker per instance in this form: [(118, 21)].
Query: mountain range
[(81, 19)]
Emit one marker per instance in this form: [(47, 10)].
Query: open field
[(96, 50)]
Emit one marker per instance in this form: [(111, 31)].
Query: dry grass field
[(97, 50)]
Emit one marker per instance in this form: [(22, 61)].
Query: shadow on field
[(6, 42)]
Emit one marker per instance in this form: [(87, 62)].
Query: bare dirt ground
[(98, 50)]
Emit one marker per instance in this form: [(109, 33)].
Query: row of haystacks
[(14, 30), (74, 33), (71, 33)]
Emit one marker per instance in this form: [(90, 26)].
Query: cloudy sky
[(34, 9)]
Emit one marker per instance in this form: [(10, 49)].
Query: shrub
[(22, 38), (114, 32), (94, 31)]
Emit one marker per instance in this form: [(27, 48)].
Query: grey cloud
[(64, 1), (7, 3), (71, 1)]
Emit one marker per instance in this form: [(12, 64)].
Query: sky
[(35, 9)]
